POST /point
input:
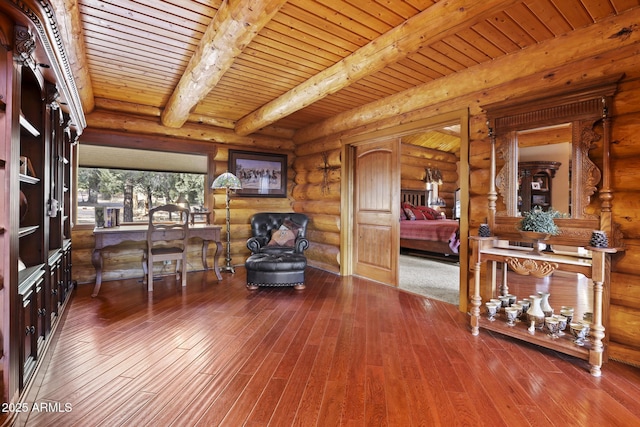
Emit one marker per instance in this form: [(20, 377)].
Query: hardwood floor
[(343, 352)]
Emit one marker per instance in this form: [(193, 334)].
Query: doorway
[(429, 252), (348, 210)]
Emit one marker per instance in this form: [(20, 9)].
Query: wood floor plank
[(265, 406), (315, 388), (246, 401), (343, 352), (165, 407), (375, 407), (288, 405)]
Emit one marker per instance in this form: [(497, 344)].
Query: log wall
[(317, 194)]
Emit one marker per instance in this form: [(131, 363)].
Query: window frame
[(141, 142)]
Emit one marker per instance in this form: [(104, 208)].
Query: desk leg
[(96, 260), (205, 249)]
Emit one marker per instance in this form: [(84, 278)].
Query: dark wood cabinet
[(37, 140), (535, 181), (31, 327)]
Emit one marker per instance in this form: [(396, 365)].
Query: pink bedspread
[(441, 230)]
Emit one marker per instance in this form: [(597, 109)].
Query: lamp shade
[(227, 180), (182, 200)]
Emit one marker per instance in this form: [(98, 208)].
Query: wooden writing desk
[(138, 233)]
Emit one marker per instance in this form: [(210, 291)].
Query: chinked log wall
[(609, 50)]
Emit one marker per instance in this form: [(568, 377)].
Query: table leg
[(504, 289), (216, 255), (96, 260), (597, 330), (476, 301)]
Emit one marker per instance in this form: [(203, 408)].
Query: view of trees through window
[(135, 192)]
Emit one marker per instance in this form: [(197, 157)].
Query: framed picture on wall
[(261, 174)]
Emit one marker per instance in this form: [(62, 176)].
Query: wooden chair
[(166, 241)]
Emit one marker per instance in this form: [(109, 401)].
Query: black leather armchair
[(277, 250)]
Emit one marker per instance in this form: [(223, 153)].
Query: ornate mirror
[(552, 151)]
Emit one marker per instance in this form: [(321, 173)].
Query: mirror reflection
[(544, 168)]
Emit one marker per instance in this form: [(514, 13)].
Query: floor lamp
[(229, 182)]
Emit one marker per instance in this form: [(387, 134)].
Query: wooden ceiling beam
[(124, 122), (230, 31), (124, 107), (68, 17), (436, 22), (483, 77)]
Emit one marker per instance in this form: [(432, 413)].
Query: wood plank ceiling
[(291, 65)]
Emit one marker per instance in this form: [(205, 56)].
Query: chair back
[(262, 224), (168, 223)]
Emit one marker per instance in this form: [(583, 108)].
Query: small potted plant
[(538, 225)]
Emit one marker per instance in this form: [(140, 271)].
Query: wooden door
[(376, 211)]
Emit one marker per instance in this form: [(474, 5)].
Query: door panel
[(376, 210)]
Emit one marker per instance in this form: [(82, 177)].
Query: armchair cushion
[(286, 235)]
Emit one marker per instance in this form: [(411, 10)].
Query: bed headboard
[(415, 197)]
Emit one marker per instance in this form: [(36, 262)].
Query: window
[(133, 181)]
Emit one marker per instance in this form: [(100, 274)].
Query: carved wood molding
[(584, 168), (530, 267), (25, 45), (42, 20)]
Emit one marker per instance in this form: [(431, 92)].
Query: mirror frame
[(586, 106)]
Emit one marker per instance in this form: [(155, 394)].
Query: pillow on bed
[(429, 213), (418, 213), (409, 213)]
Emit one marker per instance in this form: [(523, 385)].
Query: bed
[(423, 233)]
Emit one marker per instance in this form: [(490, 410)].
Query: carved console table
[(486, 252)]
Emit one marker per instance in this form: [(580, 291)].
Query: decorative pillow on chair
[(292, 226), (286, 235)]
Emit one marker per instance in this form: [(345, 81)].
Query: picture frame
[(261, 174), (535, 185)]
